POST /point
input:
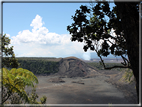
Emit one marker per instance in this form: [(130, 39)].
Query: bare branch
[(118, 67), (124, 61), (6, 96), (102, 61), (108, 68)]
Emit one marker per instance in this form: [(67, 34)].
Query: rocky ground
[(128, 89), (78, 83), (98, 87)]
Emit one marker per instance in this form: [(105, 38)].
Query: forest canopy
[(38, 66)]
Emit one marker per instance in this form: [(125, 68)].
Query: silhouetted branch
[(118, 67), (108, 68)]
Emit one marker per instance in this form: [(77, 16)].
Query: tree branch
[(102, 61), (9, 94), (108, 68), (118, 67)]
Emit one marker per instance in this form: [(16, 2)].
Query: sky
[(40, 30)]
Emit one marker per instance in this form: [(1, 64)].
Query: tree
[(15, 81), (124, 19), (8, 58)]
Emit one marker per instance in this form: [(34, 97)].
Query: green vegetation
[(128, 76), (98, 66), (33, 96), (38, 65), (8, 59), (15, 80), (14, 83)]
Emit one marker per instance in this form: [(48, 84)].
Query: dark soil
[(127, 88), (56, 80), (98, 87), (78, 83)]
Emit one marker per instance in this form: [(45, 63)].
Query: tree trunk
[(130, 23)]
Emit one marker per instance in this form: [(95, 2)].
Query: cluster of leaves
[(8, 59), (15, 80), (14, 83), (38, 66), (97, 29)]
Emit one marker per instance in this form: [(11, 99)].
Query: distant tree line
[(99, 66), (38, 66)]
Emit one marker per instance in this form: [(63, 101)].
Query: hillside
[(73, 67), (73, 72), (70, 66)]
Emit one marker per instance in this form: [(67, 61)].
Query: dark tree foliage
[(96, 29), (8, 56), (38, 66), (124, 19)]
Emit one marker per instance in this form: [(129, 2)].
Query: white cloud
[(87, 55), (37, 22), (42, 43), (39, 35)]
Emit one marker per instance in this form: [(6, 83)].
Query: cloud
[(37, 22), (87, 55), (39, 35), (40, 42)]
